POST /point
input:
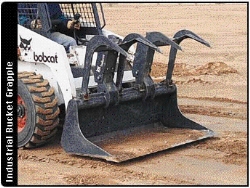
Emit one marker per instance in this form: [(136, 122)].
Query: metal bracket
[(127, 42), (104, 74), (142, 64)]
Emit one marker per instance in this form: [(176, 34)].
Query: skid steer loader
[(112, 109)]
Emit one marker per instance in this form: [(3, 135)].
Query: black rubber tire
[(41, 109)]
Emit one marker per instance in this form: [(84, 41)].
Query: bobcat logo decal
[(27, 54), (25, 49), (25, 44)]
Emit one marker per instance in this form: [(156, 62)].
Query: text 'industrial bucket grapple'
[(119, 121)]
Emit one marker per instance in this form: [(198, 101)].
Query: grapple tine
[(134, 37), (183, 34), (160, 39), (178, 38)]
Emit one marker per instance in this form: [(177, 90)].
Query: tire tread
[(47, 110)]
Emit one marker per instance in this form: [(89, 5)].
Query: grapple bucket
[(119, 122)]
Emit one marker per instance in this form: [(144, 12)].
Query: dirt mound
[(215, 68), (182, 69)]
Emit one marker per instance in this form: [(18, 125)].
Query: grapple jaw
[(118, 123), (183, 34), (178, 38)]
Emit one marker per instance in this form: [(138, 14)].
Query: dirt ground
[(212, 90)]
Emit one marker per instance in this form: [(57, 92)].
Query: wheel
[(37, 110)]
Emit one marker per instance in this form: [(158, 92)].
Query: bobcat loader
[(112, 109)]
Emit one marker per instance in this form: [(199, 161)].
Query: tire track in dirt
[(89, 171), (214, 111), (231, 148), (93, 172), (217, 99)]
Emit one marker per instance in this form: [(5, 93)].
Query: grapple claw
[(134, 37), (160, 39), (183, 34), (178, 38)]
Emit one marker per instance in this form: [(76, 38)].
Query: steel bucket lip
[(117, 159)]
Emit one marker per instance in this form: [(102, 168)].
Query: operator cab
[(87, 14)]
